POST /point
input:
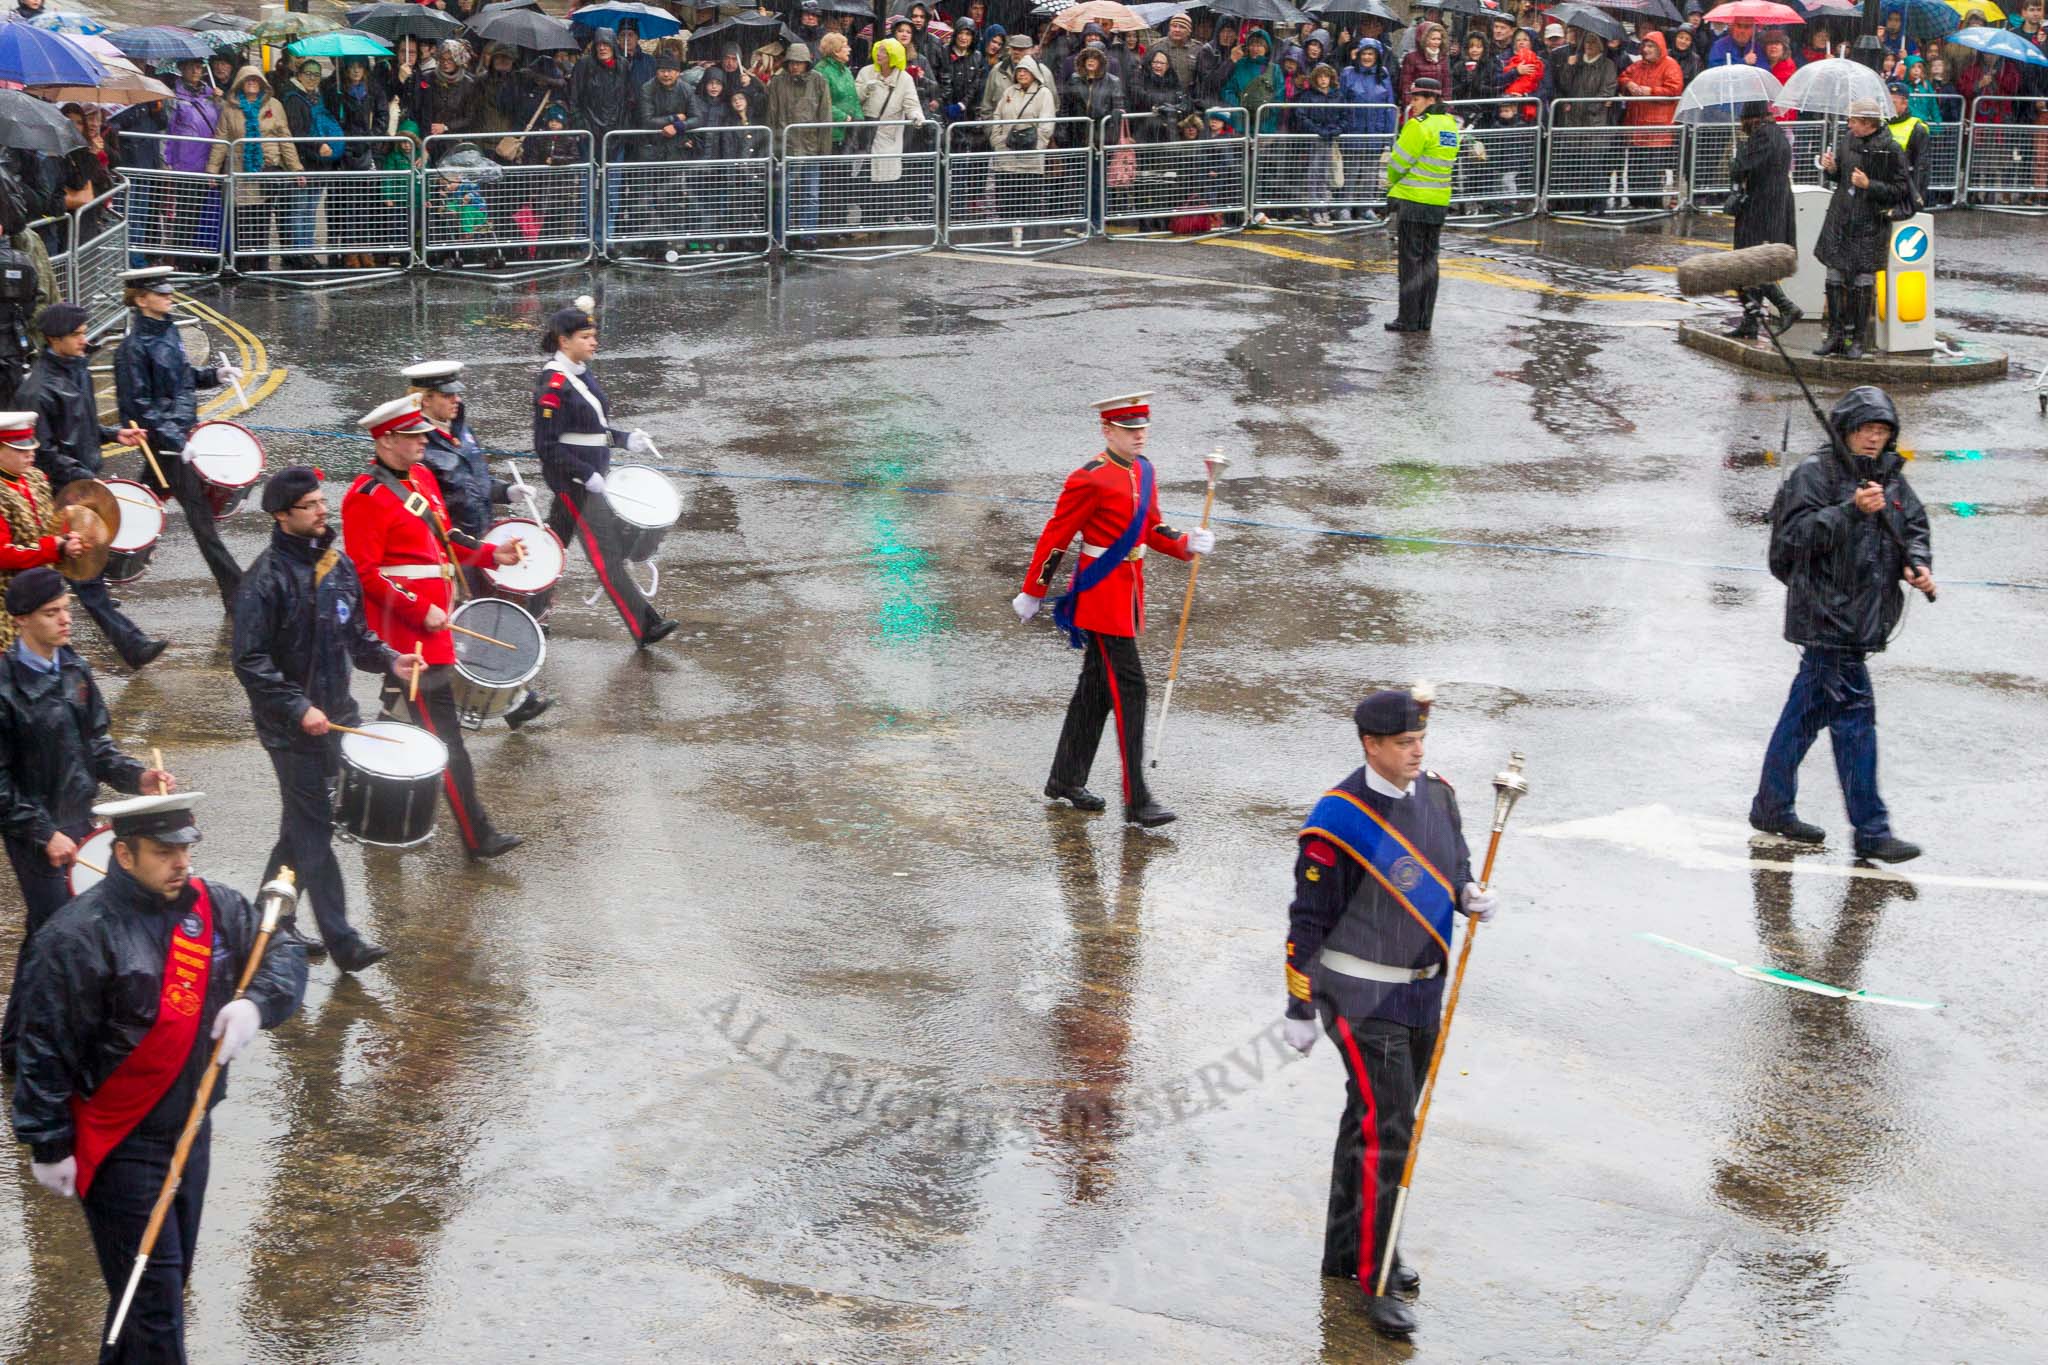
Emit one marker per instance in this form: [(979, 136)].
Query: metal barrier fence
[(2007, 170), (1613, 175), (1187, 188), (506, 220), (688, 201), (357, 213), (1499, 174), (1312, 162), (177, 214), (1018, 201), (878, 193), (1942, 161), (99, 253)]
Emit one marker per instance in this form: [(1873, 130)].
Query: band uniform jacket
[(1338, 905), (572, 438), (1097, 503), (381, 534), (467, 485)]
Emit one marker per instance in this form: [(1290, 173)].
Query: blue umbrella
[(651, 22), (161, 43), (2000, 42), (68, 23), (33, 56), (1927, 21)]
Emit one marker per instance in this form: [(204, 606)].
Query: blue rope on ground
[(1428, 542)]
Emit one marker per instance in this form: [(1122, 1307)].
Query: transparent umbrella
[(1831, 85), (1718, 92)]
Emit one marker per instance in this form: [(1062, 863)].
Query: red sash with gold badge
[(145, 1075)]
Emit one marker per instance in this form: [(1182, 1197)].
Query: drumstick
[(366, 734), (239, 394), (89, 867), (154, 467), (412, 693), (479, 635), (156, 761)]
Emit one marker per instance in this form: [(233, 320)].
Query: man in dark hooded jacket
[(601, 94), (1846, 530)]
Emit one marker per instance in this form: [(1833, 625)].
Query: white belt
[(1346, 965), (1098, 551), (395, 571), (584, 438)]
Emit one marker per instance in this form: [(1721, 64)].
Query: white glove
[(185, 455), (1201, 540), (227, 372), (1026, 606), (1299, 1033), (234, 1026), (58, 1177), (639, 442), (1480, 903), (595, 483)]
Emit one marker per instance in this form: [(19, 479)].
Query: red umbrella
[(1757, 11)]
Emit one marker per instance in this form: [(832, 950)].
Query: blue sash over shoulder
[(1400, 869), (1087, 578)]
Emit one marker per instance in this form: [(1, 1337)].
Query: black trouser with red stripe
[(1112, 684), (577, 518), (1384, 1065), (435, 713)]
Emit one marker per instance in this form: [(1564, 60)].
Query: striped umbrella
[(162, 43), (1927, 21)]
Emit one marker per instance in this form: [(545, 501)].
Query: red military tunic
[(1097, 503), (379, 533)]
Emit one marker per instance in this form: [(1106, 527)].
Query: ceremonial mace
[(279, 897), (1212, 462), (1508, 788)]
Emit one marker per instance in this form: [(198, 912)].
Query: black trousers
[(44, 890), (305, 835), (191, 495), (117, 1210), (578, 518), (124, 635), (435, 713), (1384, 1066), (1415, 248), (1112, 684)]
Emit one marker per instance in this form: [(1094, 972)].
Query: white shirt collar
[(566, 365), (1374, 782)]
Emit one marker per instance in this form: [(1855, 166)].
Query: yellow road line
[(1458, 268)]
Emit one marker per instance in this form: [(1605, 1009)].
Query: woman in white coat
[(888, 95), (1022, 131)]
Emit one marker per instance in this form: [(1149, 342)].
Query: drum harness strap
[(578, 438), (416, 503)]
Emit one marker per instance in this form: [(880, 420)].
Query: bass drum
[(530, 582), (94, 857), (142, 525), (488, 677), (390, 787), (229, 460)]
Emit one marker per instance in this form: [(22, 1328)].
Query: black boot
[(1080, 798), (1838, 308), (530, 708), (1405, 1279), (1866, 315), (1859, 301), (360, 954), (288, 930), (494, 845), (1752, 318), (1389, 1316), (1151, 815), (1789, 313)]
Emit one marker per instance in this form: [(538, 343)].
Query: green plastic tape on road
[(1779, 977)]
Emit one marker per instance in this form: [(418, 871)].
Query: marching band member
[(126, 990), (1109, 503), (396, 530), (574, 438)]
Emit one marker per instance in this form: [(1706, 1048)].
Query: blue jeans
[(1831, 691), (302, 207), (802, 180)]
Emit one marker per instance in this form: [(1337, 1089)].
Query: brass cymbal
[(96, 495), (84, 521)]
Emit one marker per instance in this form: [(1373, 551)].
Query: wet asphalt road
[(802, 1030)]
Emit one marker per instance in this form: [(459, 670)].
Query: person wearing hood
[(1685, 51), (1156, 88), (960, 75), (1431, 58), (601, 94), (1475, 76), (1846, 531), (1022, 131), (250, 111), (925, 44), (1322, 116), (799, 99), (1092, 94), (506, 97), (1367, 81), (1867, 169), (889, 96), (1761, 172), (1585, 83), (1249, 60), (1653, 83), (1214, 62)]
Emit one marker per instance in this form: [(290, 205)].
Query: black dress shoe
[(150, 652), (314, 950), (1389, 1316), (529, 709), (1080, 798), (1151, 815), (658, 632), (1406, 1279), (1791, 827), (496, 843), (1399, 327), (1889, 850), (360, 954)]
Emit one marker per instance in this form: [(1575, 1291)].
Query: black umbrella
[(1262, 11), (1589, 20), (523, 28), (1359, 9), (1656, 9), (214, 19), (748, 30), (859, 9), (394, 21), (28, 124)]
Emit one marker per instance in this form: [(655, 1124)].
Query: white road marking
[(1704, 842)]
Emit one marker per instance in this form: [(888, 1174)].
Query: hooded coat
[(1370, 85), (195, 115), (888, 95), (804, 99), (270, 123), (1853, 237), (1019, 108), (1654, 70), (601, 95)]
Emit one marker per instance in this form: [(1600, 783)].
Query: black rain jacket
[(54, 748), (294, 640), (155, 386), (68, 429)]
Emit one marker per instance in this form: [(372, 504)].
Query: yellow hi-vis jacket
[(1420, 168)]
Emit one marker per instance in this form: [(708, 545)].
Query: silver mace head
[(1509, 787), (1214, 462)]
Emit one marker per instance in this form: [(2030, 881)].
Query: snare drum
[(489, 677), (646, 504), (390, 789), (228, 459), (530, 581), (142, 523), (96, 848)]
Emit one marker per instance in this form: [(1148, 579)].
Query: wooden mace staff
[(1508, 787), (280, 897), (1213, 462)]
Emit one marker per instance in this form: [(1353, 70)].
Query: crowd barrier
[(513, 206), (1018, 201), (688, 201)]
